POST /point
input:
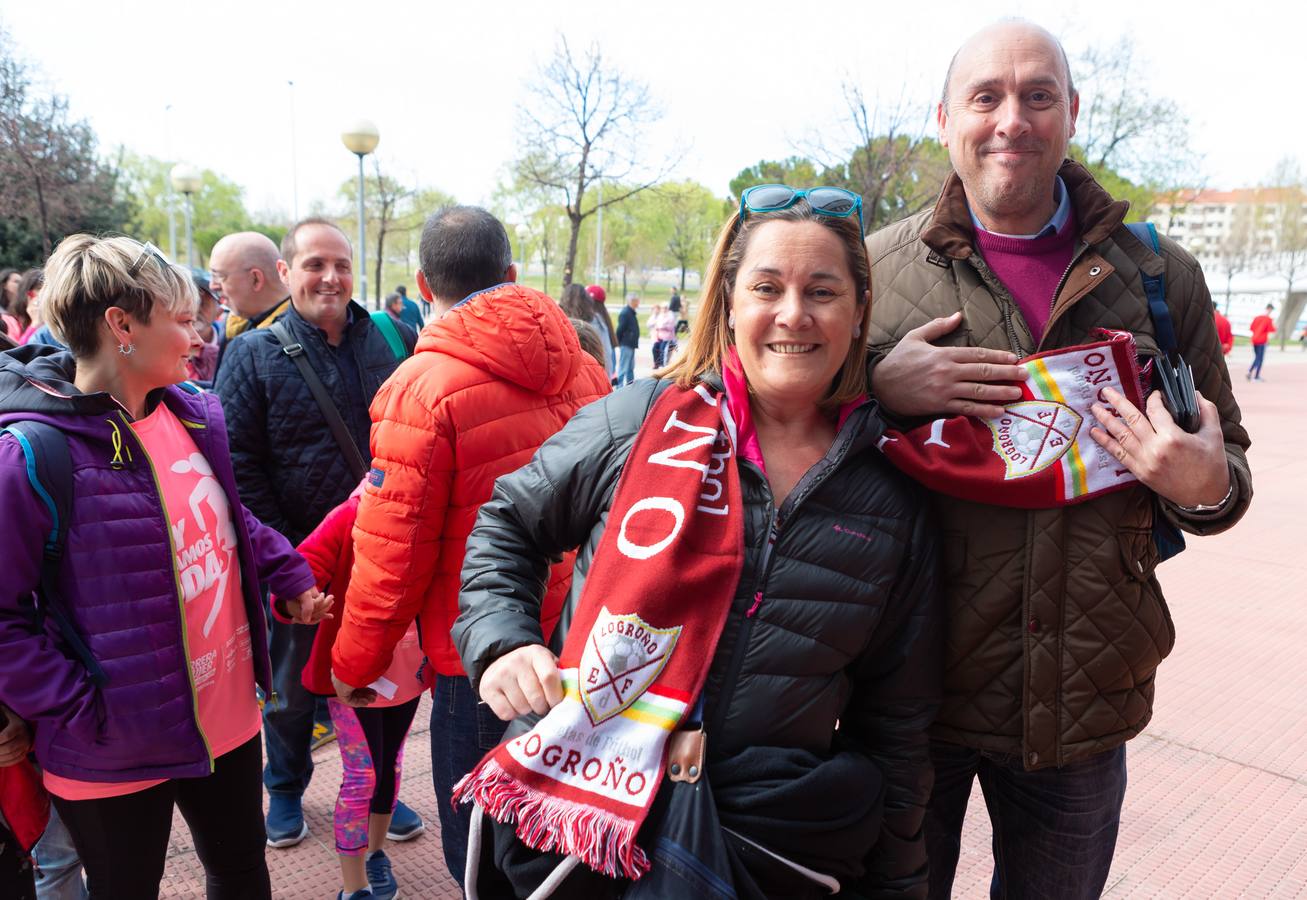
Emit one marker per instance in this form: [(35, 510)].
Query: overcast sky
[(738, 81)]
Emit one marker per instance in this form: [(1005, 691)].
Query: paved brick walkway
[(1217, 805)]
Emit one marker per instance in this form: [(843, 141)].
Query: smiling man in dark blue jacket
[(290, 469)]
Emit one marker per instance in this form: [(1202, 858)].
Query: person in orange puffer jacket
[(496, 372)]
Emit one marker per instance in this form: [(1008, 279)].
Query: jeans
[(625, 365), (123, 841), (288, 723), (1054, 829), (61, 867), (1259, 356), (462, 732)]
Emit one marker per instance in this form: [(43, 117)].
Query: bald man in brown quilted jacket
[(1057, 623)]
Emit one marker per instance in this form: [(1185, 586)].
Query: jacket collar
[(355, 318), (951, 232)]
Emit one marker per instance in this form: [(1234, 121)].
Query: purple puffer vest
[(120, 589)]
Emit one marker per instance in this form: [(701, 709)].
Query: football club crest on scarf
[(636, 656), (1039, 453)]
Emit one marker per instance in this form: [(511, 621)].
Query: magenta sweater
[(1030, 268)]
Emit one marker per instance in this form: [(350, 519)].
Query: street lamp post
[(186, 180), (361, 139)]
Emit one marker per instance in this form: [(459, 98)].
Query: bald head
[(244, 273), (1005, 33)]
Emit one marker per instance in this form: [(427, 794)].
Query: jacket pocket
[(1139, 554)]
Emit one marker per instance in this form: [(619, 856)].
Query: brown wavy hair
[(711, 338)]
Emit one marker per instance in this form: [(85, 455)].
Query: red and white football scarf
[(655, 601), (1038, 454)]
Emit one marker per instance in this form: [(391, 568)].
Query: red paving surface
[(1217, 804)]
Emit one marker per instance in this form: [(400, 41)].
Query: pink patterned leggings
[(371, 753)]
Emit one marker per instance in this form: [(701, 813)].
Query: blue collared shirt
[(1060, 215)]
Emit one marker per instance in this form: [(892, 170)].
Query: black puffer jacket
[(848, 629), (289, 468)]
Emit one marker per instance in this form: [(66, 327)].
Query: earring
[(730, 320), (857, 331), (126, 349)]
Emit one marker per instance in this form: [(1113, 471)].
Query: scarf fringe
[(605, 842)]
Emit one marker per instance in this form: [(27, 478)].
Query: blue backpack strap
[(1168, 538), (50, 471), (1155, 290)]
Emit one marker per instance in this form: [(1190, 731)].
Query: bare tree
[(388, 196), (899, 167), (51, 178), (585, 122), (1237, 250), (1286, 202), (894, 163), (1122, 126)]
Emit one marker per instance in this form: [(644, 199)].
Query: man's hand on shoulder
[(1187, 469), (917, 378)]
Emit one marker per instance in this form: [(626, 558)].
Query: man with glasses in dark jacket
[(292, 471)]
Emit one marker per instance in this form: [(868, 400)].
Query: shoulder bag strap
[(386, 325), (339, 431), (1155, 290)]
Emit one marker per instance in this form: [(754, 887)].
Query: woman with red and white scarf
[(738, 692)]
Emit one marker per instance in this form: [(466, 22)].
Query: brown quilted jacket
[(1056, 621)]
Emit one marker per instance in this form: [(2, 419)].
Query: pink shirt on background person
[(217, 630), (662, 327), (407, 676)]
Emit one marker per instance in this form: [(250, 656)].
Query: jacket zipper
[(181, 596), (807, 484), (1075, 257), (1006, 302), (200, 426)]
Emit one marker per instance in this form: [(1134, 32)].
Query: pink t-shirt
[(208, 570), (407, 676)]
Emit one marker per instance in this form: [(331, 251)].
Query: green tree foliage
[(692, 216), (52, 179), (218, 207), (795, 171)]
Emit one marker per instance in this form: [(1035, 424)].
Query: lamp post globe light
[(361, 138), (185, 180)]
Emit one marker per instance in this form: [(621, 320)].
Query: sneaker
[(357, 895), (323, 734), (405, 824), (380, 878), (285, 822)]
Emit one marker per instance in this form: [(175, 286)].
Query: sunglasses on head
[(826, 201), (148, 250)]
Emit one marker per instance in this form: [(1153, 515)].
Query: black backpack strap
[(50, 471), (1155, 290), (339, 430)]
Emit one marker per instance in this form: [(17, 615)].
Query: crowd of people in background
[(241, 509)]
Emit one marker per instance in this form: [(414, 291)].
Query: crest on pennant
[(1032, 435), (622, 657)]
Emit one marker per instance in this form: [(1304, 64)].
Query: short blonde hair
[(87, 275), (711, 337)]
